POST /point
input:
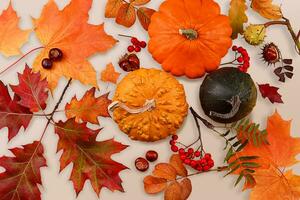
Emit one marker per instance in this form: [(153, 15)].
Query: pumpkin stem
[(148, 106), (190, 34)]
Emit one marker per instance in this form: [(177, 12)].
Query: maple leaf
[(12, 37), (273, 184), (144, 15), (22, 175), (64, 30), (89, 108), (91, 159), (270, 92), (12, 115), (237, 16), (266, 9), (126, 15), (32, 91), (112, 8), (109, 74)]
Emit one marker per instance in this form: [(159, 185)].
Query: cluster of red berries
[(195, 159), (55, 54), (243, 59), (136, 45)]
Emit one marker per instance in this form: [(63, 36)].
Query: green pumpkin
[(228, 95)]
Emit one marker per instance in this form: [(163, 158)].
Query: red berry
[(187, 161), (174, 148), (203, 162), (47, 63), (240, 59), (210, 163), (174, 137), (182, 157), (151, 155), (190, 151), (244, 53), (197, 154), (240, 49), (135, 41), (137, 49), (199, 168), (193, 163), (206, 168), (181, 151), (143, 44), (141, 164), (130, 48), (207, 156), (55, 54), (172, 142), (234, 48)]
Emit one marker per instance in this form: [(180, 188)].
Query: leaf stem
[(14, 63), (197, 173), (128, 36)]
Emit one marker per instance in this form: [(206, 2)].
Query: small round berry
[(240, 49), (234, 48), (206, 168), (182, 157), (210, 163), (187, 161), (141, 164), (47, 63), (55, 54), (193, 163), (130, 48), (143, 44), (190, 151), (203, 162), (174, 137), (199, 168), (151, 156), (135, 41), (172, 142), (240, 59), (197, 154), (207, 156), (137, 49), (181, 151), (174, 148)]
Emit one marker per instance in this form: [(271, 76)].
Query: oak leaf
[(270, 92), (22, 175), (89, 108), (267, 9), (153, 185), (69, 31), (32, 90), (165, 170), (126, 15), (109, 74), (237, 16), (112, 8), (11, 36), (91, 159), (176, 162), (144, 15), (12, 115)]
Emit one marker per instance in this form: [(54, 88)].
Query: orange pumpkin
[(189, 37), (149, 105)]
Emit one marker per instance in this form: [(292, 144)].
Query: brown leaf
[(112, 8), (186, 188), (126, 15), (165, 170), (154, 185), (139, 2), (144, 15), (173, 191), (176, 162), (109, 74), (266, 9)]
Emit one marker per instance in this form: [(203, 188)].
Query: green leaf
[(232, 138), (240, 123), (229, 154), (237, 16), (239, 179), (246, 124), (249, 171), (236, 143), (250, 164), (244, 158), (225, 134), (233, 170), (242, 146)]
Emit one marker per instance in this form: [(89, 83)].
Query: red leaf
[(22, 175), (270, 92), (12, 115), (92, 159), (32, 90)]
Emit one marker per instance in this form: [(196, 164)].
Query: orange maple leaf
[(68, 30), (11, 36), (109, 74)]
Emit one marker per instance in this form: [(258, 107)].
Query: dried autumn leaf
[(32, 90), (273, 184), (173, 191), (270, 92), (22, 175), (64, 30), (12, 115), (153, 185), (126, 15), (139, 2), (267, 9), (112, 8), (11, 36), (92, 159), (109, 74), (176, 162), (89, 108), (186, 188), (144, 15), (237, 16), (165, 170)]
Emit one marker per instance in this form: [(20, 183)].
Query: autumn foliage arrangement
[(187, 38)]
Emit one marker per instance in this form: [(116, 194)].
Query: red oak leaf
[(32, 90), (22, 176), (12, 115), (92, 159), (270, 92)]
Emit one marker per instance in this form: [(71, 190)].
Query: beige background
[(208, 186)]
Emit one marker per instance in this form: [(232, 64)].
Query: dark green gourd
[(228, 95)]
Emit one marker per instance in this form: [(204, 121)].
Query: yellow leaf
[(165, 170), (237, 16), (11, 36), (109, 74), (267, 9), (176, 162), (153, 185), (126, 15), (112, 8)]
